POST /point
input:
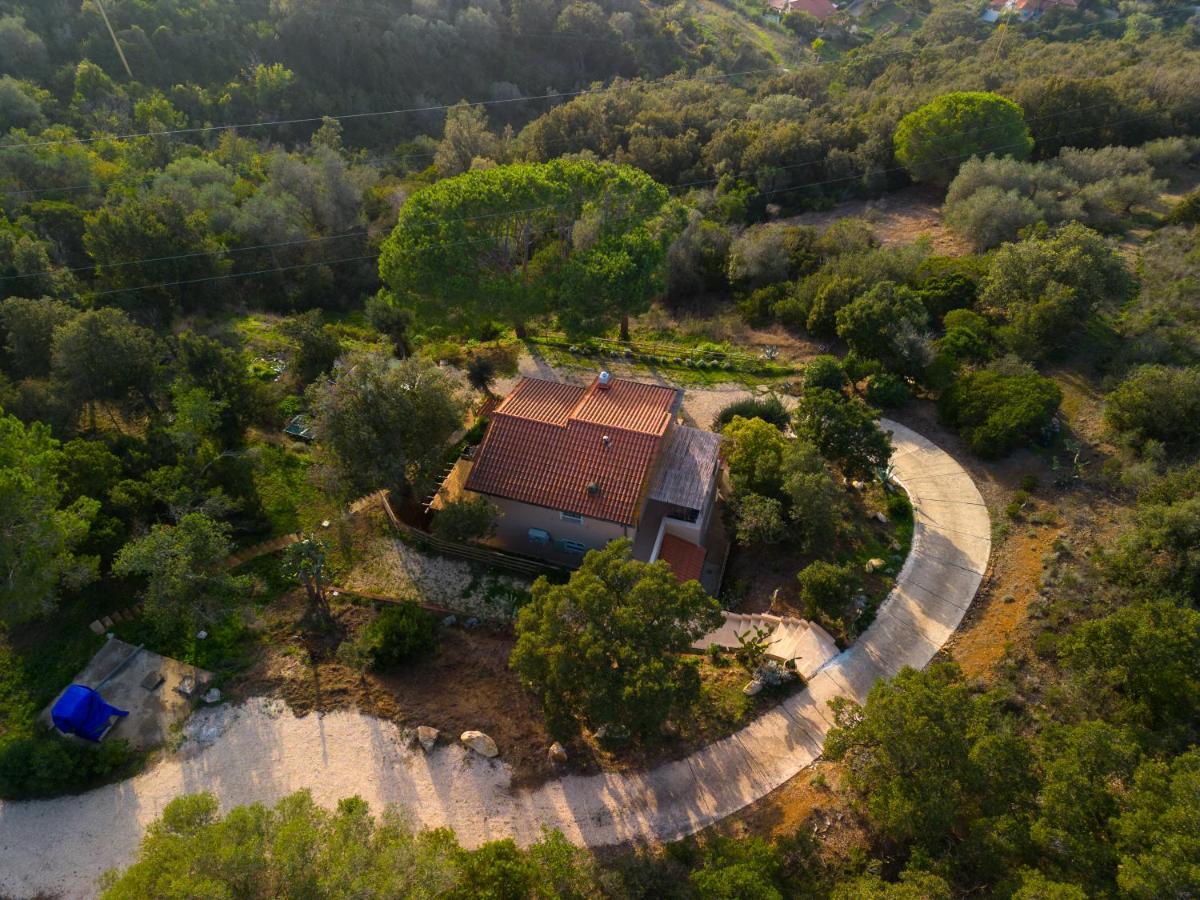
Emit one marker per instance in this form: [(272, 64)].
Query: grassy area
[(701, 364)]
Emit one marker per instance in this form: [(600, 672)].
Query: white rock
[(213, 696), (753, 687), (874, 565), (881, 518), (557, 753), (427, 736), (480, 743)]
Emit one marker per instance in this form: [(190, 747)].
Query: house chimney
[(603, 381)]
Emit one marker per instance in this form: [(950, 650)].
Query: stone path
[(259, 751)]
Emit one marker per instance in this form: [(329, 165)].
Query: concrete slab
[(152, 712)]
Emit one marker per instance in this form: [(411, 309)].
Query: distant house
[(572, 468), (1024, 10), (818, 9)]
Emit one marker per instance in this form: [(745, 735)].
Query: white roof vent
[(604, 380)]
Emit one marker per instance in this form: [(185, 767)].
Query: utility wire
[(569, 205), (675, 78), (489, 239), (341, 117)]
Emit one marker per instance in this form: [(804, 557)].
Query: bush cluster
[(48, 765)]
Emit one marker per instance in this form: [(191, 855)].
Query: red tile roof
[(685, 559), (541, 401), (546, 446), (821, 9)]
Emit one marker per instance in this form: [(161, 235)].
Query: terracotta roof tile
[(541, 401), (686, 560), (543, 449), (646, 408)]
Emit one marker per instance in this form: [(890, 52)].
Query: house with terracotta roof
[(572, 467), (1024, 10), (818, 9)]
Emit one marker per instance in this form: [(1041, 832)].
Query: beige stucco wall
[(516, 518)]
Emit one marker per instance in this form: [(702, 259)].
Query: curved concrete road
[(257, 752)]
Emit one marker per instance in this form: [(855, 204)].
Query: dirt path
[(259, 751)]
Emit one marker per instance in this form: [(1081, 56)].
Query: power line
[(567, 205), (341, 117), (489, 239), (187, 281), (675, 78)]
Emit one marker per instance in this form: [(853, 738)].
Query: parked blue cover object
[(81, 711)]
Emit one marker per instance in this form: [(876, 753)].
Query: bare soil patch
[(467, 685), (898, 219), (811, 804)]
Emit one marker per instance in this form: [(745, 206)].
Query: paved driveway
[(259, 751)]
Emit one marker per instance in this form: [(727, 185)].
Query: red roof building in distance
[(582, 450), (818, 9)]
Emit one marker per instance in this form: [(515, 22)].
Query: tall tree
[(39, 535), (178, 244), (844, 430), (187, 584), (933, 141), (384, 423), (926, 758), (515, 242), (606, 646), (103, 357)]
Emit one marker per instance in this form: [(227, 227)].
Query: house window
[(572, 547), (538, 536), (571, 517)]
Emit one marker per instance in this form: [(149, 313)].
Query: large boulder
[(480, 743), (557, 753)]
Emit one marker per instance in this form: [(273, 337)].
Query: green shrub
[(888, 391), (995, 411), (1159, 403), (476, 432), (947, 292), (758, 307), (48, 765), (899, 507), (969, 337), (825, 372), (399, 633), (469, 519), (769, 408), (759, 519), (827, 589), (1186, 211)]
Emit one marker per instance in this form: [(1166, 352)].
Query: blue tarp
[(83, 712)]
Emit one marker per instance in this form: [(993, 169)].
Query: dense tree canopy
[(186, 582), (583, 241), (933, 141), (41, 531)]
